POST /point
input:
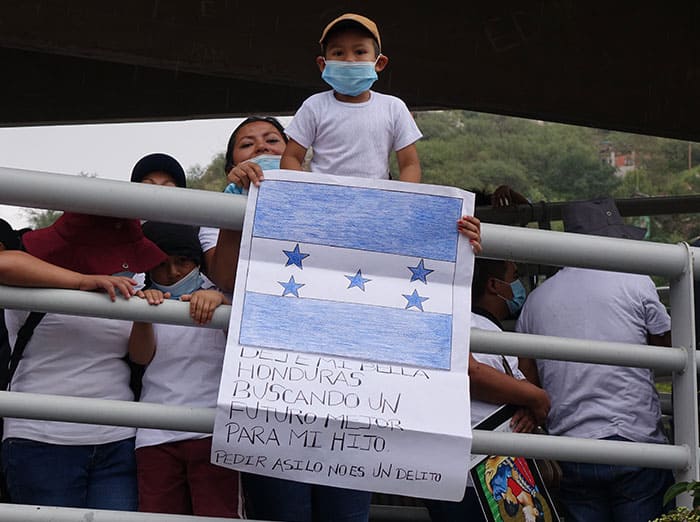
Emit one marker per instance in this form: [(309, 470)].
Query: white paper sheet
[(346, 362)]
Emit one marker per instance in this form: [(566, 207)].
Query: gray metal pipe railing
[(199, 207), (75, 302), (135, 414), (104, 197), (114, 198)]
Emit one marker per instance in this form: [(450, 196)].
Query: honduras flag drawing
[(371, 270)]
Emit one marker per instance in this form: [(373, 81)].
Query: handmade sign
[(510, 488), (346, 362)]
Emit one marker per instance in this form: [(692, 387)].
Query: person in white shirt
[(183, 368), (63, 463), (601, 401), (352, 129), (494, 380)]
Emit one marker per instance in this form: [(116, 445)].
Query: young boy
[(183, 368), (352, 129)]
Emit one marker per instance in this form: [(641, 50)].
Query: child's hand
[(203, 303), (153, 296), (470, 226), (245, 173), (110, 284)]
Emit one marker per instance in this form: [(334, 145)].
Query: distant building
[(623, 161)]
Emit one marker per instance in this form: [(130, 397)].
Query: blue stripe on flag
[(373, 333), (393, 222)]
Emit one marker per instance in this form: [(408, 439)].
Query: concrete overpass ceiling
[(623, 65)]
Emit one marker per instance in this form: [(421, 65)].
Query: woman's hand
[(245, 173), (110, 284)]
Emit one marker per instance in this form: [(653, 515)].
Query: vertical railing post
[(685, 398)]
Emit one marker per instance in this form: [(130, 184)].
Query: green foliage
[(41, 218), (682, 514), (210, 178)]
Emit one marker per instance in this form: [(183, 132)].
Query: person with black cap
[(63, 463), (183, 368), (601, 401), (220, 247)]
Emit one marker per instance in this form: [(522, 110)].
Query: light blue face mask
[(266, 162), (349, 78), (519, 294), (188, 284)]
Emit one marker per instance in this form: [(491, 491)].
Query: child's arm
[(19, 268), (293, 156), (142, 341), (409, 164), (203, 303)]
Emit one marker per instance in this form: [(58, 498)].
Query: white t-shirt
[(353, 139), (598, 401), (77, 356), (208, 237), (185, 371), (480, 409)]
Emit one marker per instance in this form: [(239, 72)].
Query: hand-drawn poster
[(346, 362), (510, 489)]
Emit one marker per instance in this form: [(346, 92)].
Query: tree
[(42, 218)]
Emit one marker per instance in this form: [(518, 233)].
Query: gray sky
[(108, 150)]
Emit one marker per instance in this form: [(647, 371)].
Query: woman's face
[(159, 178), (256, 138)]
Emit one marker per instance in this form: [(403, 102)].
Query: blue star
[(420, 272), (291, 287), (295, 257), (358, 281), (415, 300)]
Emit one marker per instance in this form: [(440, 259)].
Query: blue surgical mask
[(267, 161), (188, 284), (518, 300), (349, 78)]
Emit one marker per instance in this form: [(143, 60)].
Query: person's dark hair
[(8, 236), (159, 162), (228, 165), (485, 269), (345, 25), (175, 239)]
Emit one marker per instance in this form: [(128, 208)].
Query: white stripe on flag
[(348, 275)]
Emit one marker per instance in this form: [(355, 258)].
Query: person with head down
[(62, 463)]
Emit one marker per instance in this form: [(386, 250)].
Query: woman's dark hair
[(229, 148)]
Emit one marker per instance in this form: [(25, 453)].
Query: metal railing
[(122, 199)]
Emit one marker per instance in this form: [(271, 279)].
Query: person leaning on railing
[(61, 463), (598, 401)]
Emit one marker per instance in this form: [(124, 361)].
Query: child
[(352, 129), (183, 368)]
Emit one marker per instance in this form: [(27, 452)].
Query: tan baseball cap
[(359, 19)]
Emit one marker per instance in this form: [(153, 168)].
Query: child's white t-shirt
[(353, 139)]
